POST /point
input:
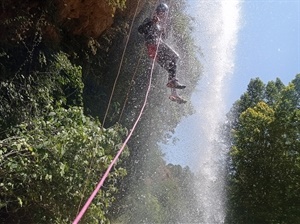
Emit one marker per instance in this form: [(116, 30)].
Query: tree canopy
[(264, 167)]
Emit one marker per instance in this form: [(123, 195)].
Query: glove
[(155, 19)]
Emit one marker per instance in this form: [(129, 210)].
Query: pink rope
[(89, 201)]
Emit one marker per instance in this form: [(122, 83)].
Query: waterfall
[(217, 26)]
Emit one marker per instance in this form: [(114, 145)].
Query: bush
[(52, 163), (26, 95)]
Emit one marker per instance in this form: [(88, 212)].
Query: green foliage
[(121, 4), (51, 155), (57, 83), (273, 90), (166, 196), (50, 164), (265, 163), (69, 80)]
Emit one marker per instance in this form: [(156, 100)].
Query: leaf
[(20, 201), (48, 177), (62, 169), (51, 114)]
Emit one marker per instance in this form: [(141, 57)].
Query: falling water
[(217, 28)]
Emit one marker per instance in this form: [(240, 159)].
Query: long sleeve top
[(151, 30)]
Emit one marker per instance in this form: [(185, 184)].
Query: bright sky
[(268, 43), (268, 46)]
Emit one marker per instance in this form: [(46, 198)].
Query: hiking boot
[(173, 83), (177, 99)]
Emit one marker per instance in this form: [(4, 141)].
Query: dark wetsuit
[(166, 56)]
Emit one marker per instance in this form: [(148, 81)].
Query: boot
[(177, 99), (173, 83)]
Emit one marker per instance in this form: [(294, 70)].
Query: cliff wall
[(55, 18)]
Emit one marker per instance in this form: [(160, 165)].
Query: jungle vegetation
[(54, 145)]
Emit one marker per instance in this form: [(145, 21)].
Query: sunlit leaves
[(27, 95), (121, 4), (265, 171), (55, 161)]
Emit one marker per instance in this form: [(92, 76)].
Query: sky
[(266, 45)]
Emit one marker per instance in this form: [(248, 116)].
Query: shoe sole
[(177, 87)]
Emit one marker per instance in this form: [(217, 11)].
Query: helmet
[(162, 7)]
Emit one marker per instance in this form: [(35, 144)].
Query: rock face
[(85, 17), (77, 17), (89, 18), (92, 17)]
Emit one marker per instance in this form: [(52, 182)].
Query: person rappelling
[(154, 34)]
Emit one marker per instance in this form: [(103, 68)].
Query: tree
[(264, 158), (50, 164), (273, 90), (254, 94), (251, 163), (24, 95)]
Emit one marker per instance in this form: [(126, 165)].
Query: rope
[(130, 30), (89, 201), (121, 63), (131, 84), (104, 177)]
